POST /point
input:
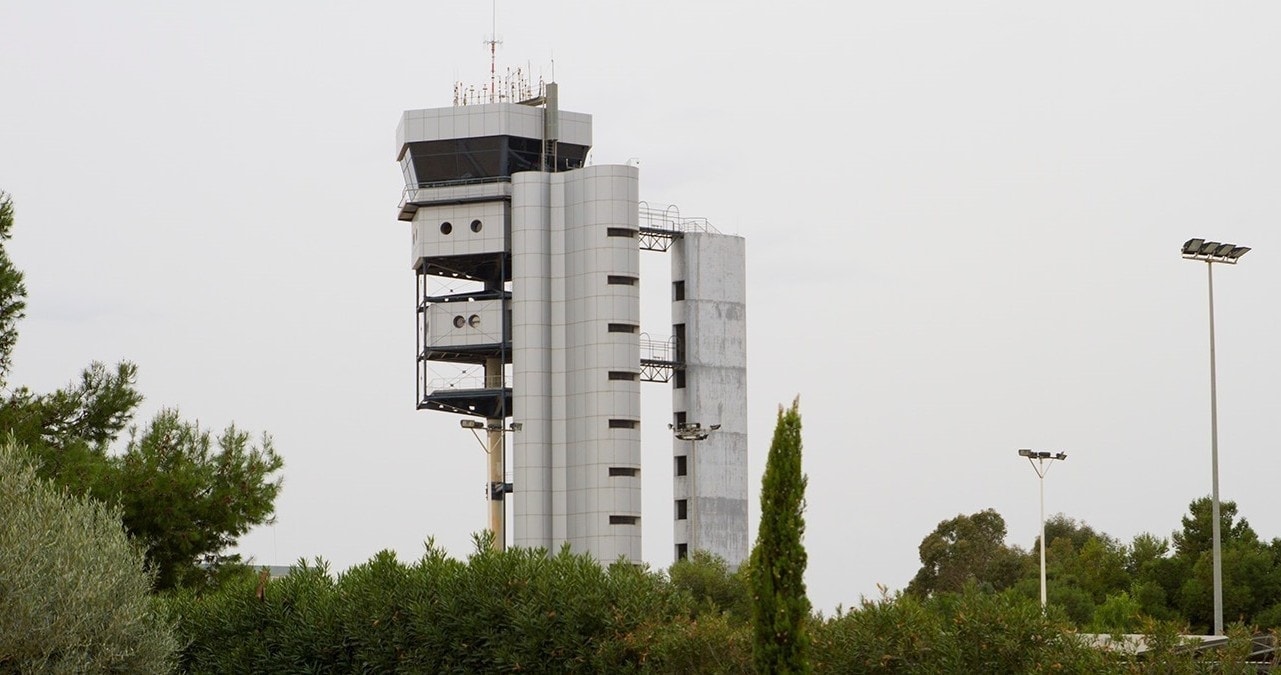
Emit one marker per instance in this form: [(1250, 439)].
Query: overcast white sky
[(963, 225)]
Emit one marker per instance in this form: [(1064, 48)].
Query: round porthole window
[(459, 321), (474, 321), (446, 227), (476, 225)]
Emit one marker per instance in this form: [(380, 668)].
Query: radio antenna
[(493, 43)]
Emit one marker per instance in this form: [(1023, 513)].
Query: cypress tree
[(780, 606), (13, 293)]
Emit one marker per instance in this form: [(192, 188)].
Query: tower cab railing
[(468, 381), (458, 190)]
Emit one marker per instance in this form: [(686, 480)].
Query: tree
[(780, 606), (1060, 526), (1117, 614), (1144, 552), (183, 501), (1197, 535), (964, 549), (84, 417), (13, 293), (74, 596)]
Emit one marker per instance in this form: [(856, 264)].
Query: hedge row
[(523, 610)]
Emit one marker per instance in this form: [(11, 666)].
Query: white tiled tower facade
[(576, 325), (528, 266)]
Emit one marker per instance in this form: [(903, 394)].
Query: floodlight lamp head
[(1061, 455), (471, 424), (1024, 452), (516, 426), (714, 427), (1213, 251)]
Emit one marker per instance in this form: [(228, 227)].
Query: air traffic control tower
[(528, 318)]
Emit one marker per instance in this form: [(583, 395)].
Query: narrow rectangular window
[(678, 337), (624, 520), (624, 328), (623, 424), (682, 465), (622, 232), (624, 471), (621, 280), (679, 418), (682, 509), (678, 378), (623, 375), (682, 551), (678, 290)]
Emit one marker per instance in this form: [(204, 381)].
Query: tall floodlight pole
[(498, 487), (1037, 460), (692, 432), (1211, 252)]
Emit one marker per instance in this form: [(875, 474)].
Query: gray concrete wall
[(714, 312)]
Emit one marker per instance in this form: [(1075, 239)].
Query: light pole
[(498, 485), (1037, 460), (1211, 252), (692, 432)]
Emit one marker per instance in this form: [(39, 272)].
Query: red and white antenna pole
[(493, 43)]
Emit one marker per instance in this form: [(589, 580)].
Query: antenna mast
[(493, 43)]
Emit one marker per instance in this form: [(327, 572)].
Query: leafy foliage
[(74, 596), (1118, 615), (977, 631), (966, 549), (519, 609), (92, 411), (13, 292), (527, 610), (1104, 585), (965, 632), (185, 502), (715, 590), (780, 607)]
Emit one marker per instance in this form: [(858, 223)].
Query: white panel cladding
[(560, 421), (597, 198), (714, 312), (467, 192), (459, 229), (489, 119), (532, 389), (456, 324)]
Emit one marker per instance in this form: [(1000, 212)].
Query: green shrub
[(513, 610), (709, 643), (891, 635), (714, 588), (967, 632), (250, 624), (74, 596)]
